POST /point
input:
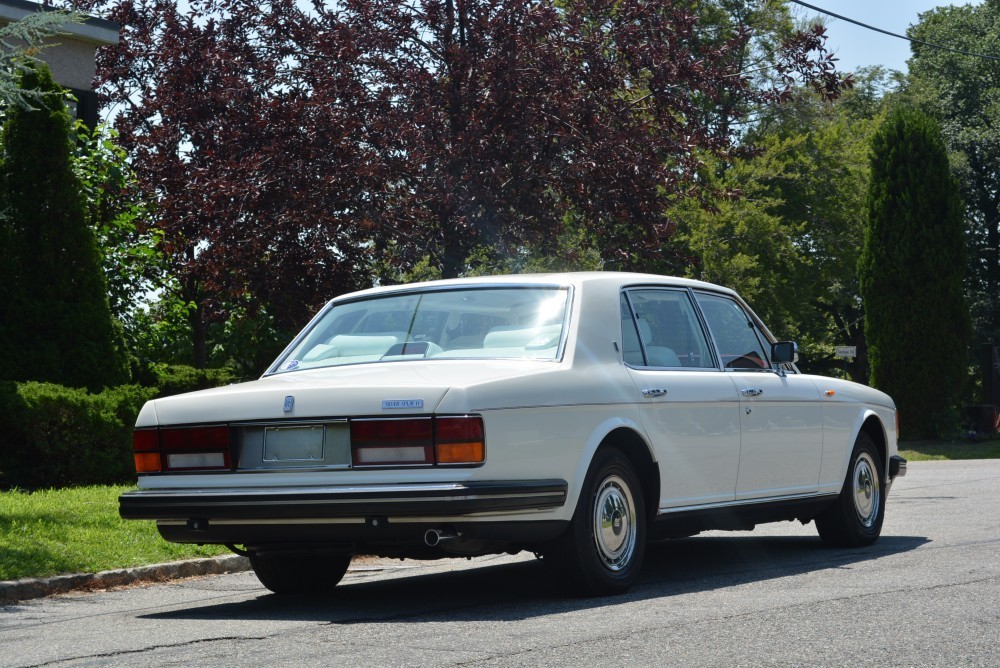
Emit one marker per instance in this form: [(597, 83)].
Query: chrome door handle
[(752, 391), (654, 392)]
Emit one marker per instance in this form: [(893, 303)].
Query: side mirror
[(784, 352)]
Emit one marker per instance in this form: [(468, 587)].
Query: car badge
[(402, 403), (289, 404)]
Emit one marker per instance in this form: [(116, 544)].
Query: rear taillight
[(182, 449), (418, 441), (392, 442), (146, 446), (460, 440)]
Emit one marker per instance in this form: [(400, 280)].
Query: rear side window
[(660, 328)]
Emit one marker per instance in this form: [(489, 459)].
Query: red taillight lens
[(195, 438), (418, 441), (181, 449), (392, 442)]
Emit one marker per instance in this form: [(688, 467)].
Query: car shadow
[(522, 590)]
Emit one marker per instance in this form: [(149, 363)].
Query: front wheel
[(602, 550), (299, 573), (855, 519)]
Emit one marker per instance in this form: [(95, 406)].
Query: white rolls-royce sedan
[(576, 416)]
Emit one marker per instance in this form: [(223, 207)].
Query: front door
[(781, 417)]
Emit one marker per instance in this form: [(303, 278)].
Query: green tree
[(963, 93), (790, 239), (911, 272), (131, 255), (55, 324)]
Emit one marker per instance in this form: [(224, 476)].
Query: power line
[(892, 34)]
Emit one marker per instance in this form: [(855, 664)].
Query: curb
[(12, 591)]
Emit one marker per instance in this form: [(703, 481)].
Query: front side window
[(526, 323), (661, 329), (741, 344)]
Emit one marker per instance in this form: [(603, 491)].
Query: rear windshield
[(509, 322)]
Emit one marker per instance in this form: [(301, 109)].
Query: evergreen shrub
[(55, 321), (911, 273), (55, 436), (170, 379)]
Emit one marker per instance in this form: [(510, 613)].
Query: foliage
[(246, 342), (132, 261), (963, 92), (739, 242), (573, 249), (19, 42), (911, 268), (295, 152), (55, 325), (170, 379), (54, 436), (790, 238), (78, 530)]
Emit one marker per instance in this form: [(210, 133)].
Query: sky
[(858, 47)]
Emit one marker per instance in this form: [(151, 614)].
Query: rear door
[(688, 406)]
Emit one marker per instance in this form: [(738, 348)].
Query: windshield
[(509, 322)]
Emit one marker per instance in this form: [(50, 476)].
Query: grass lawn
[(916, 451), (78, 530)]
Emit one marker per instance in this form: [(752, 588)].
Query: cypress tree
[(55, 323), (911, 271)]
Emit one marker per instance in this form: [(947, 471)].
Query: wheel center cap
[(616, 523)]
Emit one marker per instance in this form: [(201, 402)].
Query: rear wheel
[(855, 519), (299, 573), (602, 550)]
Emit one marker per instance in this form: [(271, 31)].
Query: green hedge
[(55, 436), (178, 378)]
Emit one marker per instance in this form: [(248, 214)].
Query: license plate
[(294, 444)]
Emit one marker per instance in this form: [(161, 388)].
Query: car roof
[(576, 279)]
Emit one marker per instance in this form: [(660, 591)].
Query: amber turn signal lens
[(147, 462), (461, 453)]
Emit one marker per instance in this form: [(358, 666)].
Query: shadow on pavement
[(524, 590)]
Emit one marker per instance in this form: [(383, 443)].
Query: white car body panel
[(695, 431), (781, 447)]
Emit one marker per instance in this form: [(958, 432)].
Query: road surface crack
[(151, 648)]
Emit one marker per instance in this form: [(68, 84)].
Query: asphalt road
[(925, 595)]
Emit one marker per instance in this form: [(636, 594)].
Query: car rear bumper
[(447, 500)]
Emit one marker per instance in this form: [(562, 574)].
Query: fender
[(597, 437), (859, 422)]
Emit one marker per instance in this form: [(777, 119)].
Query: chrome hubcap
[(866, 491), (614, 523)]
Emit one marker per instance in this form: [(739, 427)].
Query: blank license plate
[(294, 444)]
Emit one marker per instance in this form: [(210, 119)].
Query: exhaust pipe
[(433, 537)]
